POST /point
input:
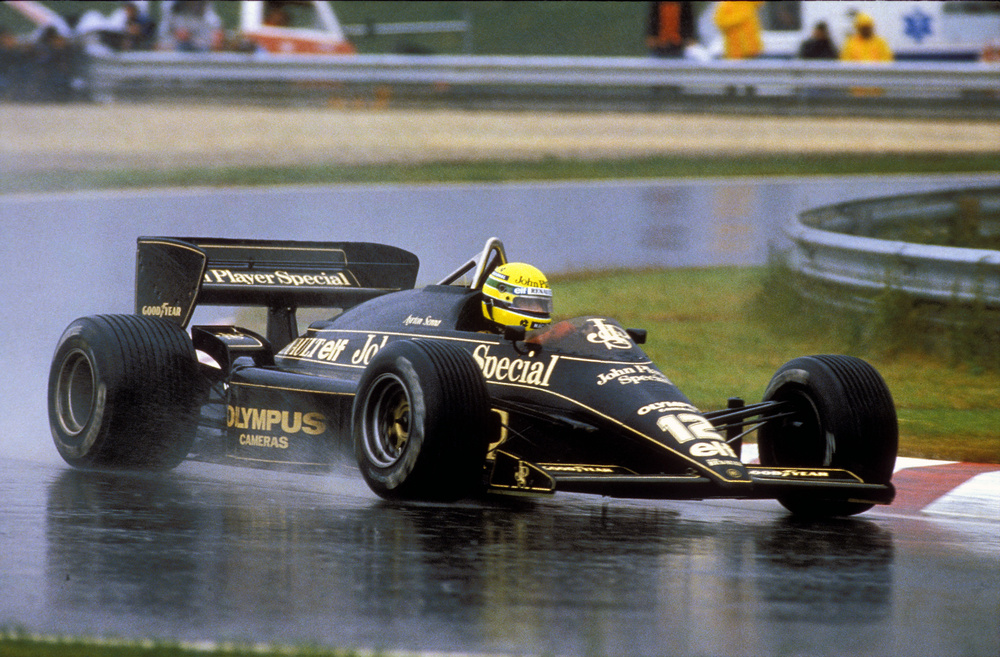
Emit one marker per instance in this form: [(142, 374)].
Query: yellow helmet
[(517, 294)]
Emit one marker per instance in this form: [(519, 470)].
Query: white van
[(925, 30)]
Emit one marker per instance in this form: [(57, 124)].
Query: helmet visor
[(537, 304)]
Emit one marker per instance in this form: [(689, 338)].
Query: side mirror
[(638, 335), (514, 333)]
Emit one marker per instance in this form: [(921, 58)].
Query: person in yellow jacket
[(740, 28), (864, 45)]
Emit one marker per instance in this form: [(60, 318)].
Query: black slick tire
[(123, 394), (419, 422), (842, 416)]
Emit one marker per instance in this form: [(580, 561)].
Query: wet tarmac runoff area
[(212, 552)]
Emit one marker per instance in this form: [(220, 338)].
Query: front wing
[(509, 474)]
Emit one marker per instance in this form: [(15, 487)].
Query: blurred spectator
[(818, 45), (58, 63), (991, 52), (13, 66), (671, 28), (190, 26), (139, 31), (129, 27), (276, 15), (740, 29), (864, 45)]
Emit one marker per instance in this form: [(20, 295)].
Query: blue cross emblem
[(917, 25)]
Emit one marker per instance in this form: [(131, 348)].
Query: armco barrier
[(834, 247), (955, 88)]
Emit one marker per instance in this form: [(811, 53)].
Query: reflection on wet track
[(215, 552)]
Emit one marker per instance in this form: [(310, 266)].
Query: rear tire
[(420, 422), (123, 393), (843, 417)]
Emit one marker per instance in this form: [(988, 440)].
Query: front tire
[(842, 416), (420, 422), (123, 393)]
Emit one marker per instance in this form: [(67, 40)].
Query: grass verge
[(20, 644), (504, 171)]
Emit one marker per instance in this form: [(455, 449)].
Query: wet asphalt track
[(217, 552), (209, 552)]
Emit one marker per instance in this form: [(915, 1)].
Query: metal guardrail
[(420, 27), (815, 82), (834, 247)]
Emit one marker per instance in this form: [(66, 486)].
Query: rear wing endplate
[(174, 275)]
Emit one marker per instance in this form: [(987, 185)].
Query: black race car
[(432, 402)]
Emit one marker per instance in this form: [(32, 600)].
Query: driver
[(517, 294)]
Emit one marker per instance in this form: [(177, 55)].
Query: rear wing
[(174, 275)]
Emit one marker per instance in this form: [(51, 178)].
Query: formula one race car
[(434, 405)]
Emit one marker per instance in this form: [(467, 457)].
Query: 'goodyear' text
[(163, 310)]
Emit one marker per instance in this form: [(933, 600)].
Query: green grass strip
[(502, 171), (18, 642)]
